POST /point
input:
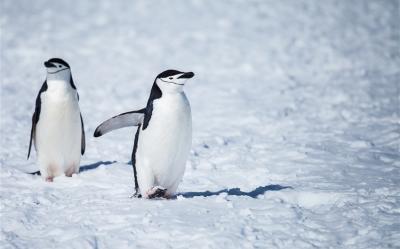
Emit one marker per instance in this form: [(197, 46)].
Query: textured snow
[(296, 123)]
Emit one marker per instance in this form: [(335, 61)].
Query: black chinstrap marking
[(170, 82), (58, 71)]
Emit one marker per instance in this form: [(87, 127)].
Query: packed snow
[(296, 123)]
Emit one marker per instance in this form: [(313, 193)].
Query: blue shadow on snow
[(95, 165), (236, 191), (84, 167)]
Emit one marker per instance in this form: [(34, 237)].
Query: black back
[(154, 94)]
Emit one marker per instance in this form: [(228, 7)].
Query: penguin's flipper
[(35, 116), (33, 130), (133, 118), (83, 140)]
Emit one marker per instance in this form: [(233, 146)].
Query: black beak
[(187, 75), (49, 64)]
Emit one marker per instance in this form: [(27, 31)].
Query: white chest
[(60, 100), (58, 131), (164, 145), (59, 114), (170, 112)]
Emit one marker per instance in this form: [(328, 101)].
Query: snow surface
[(295, 117)]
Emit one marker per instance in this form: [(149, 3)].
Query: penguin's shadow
[(236, 191), (95, 165), (85, 167)]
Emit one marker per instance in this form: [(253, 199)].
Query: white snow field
[(296, 123)]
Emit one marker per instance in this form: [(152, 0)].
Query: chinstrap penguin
[(163, 138), (57, 126)]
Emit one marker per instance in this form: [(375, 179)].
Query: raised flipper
[(133, 118)]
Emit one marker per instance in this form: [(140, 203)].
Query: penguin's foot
[(72, 170), (49, 179), (136, 194), (156, 192)]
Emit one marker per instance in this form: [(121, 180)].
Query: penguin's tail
[(36, 173)]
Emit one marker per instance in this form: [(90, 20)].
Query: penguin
[(163, 136), (57, 125)]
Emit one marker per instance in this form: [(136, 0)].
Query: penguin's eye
[(170, 78)]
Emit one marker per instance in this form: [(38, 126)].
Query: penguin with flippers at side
[(57, 130)]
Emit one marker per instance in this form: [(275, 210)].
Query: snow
[(295, 116)]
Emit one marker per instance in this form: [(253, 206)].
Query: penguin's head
[(172, 80), (57, 67)]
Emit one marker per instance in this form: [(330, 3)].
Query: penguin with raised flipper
[(57, 126), (163, 137)]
